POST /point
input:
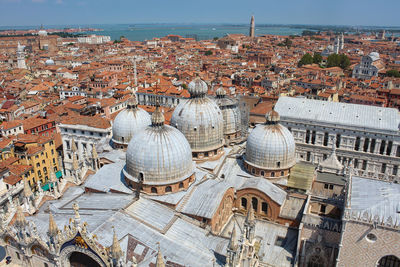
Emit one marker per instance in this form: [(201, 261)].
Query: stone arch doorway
[(389, 261), (78, 259)]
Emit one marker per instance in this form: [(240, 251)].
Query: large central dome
[(270, 148), (159, 158), (200, 120), (129, 122)]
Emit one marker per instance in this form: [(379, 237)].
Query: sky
[(323, 12)]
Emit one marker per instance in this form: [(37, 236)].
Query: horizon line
[(208, 23)]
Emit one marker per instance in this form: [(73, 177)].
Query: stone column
[(394, 150), (361, 147), (377, 146)]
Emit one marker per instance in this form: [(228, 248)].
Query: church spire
[(27, 189), (160, 260), (73, 146), (20, 220), (116, 251), (53, 229)]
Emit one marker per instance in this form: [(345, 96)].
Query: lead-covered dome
[(270, 146), (231, 115), (200, 120), (159, 155), (129, 122)]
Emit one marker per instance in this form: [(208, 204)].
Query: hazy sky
[(69, 12)]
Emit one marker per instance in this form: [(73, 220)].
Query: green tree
[(317, 58), (335, 60), (393, 73), (184, 86), (208, 53), (305, 60), (215, 38)]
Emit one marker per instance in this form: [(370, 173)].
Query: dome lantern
[(197, 88)]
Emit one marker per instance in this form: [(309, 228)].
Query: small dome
[(220, 92), (271, 146), (159, 154), (42, 33), (374, 55), (199, 119), (197, 87), (49, 62), (230, 113), (129, 122)]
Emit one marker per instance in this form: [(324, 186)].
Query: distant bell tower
[(20, 57), (251, 32)]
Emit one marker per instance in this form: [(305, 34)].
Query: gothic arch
[(69, 251)]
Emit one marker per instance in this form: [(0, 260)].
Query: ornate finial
[(157, 118), (94, 152), (132, 102), (75, 165), (73, 146), (53, 229), (272, 117), (160, 260), (27, 189), (77, 218), (116, 251), (20, 220)]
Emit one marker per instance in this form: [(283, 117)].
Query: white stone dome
[(129, 122), (42, 33), (49, 62), (230, 112), (199, 119), (160, 155), (270, 146)]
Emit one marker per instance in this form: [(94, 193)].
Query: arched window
[(180, 185), (168, 189), (141, 177), (389, 261), (154, 190), (264, 207), (262, 173), (254, 203), (272, 174), (282, 173), (253, 171), (244, 202)]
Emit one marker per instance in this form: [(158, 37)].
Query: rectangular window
[(331, 186), (323, 209), (326, 186)]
